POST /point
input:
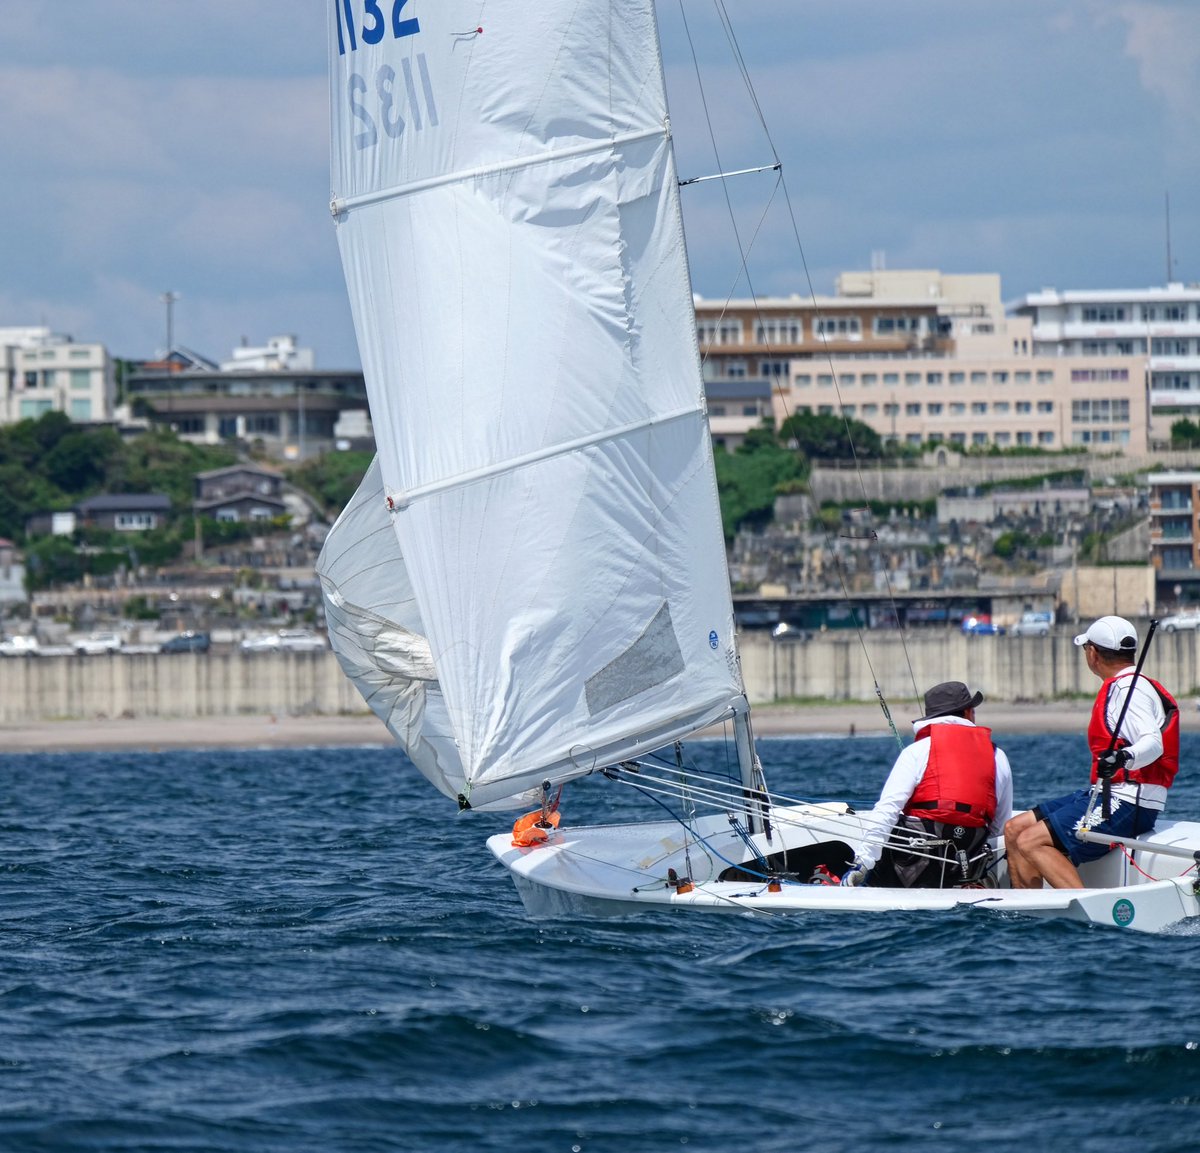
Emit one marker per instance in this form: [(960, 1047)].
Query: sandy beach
[(252, 732)]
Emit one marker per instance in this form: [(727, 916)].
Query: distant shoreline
[(276, 731)]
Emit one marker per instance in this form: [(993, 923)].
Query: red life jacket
[(959, 785), (1159, 772)]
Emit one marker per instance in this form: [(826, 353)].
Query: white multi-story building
[(43, 372), (920, 357), (280, 354), (1159, 325)]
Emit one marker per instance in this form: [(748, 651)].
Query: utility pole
[(169, 298)]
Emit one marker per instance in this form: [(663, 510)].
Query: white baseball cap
[(1114, 633)]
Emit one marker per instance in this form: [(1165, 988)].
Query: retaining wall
[(839, 667)]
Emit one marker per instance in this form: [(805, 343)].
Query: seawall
[(829, 667)]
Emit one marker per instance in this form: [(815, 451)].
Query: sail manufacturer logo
[(372, 25)]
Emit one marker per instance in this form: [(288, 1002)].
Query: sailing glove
[(1110, 763), (855, 875)]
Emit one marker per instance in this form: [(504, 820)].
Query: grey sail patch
[(652, 659)]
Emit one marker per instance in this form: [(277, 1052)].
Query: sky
[(181, 146)]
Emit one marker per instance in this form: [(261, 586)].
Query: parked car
[(189, 642), (1032, 625), (1179, 622), (285, 640), (20, 647), (981, 627), (95, 644)]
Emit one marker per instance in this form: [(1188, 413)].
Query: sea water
[(310, 950)]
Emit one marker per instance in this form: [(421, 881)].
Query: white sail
[(508, 218)]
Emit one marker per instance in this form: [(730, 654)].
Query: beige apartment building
[(920, 356), (44, 373)]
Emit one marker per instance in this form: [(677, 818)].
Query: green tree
[(1185, 433), (823, 436), (749, 479), (332, 478)]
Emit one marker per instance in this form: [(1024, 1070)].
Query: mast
[(754, 785)]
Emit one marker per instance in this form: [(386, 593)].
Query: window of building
[(891, 378), (1022, 377), (891, 409), (1003, 438), (957, 408), (735, 370), (779, 330), (773, 367), (824, 380), (934, 408), (719, 331), (1024, 438), (869, 378), (81, 408), (847, 378), (802, 380), (1045, 376), (750, 410), (716, 410), (831, 326), (958, 438), (1045, 437), (912, 378), (979, 378), (262, 424), (1084, 375), (134, 521), (32, 409), (79, 354), (888, 325), (825, 410), (81, 379), (1000, 377), (1045, 406), (912, 409), (933, 378), (870, 409), (912, 438), (1103, 313), (978, 438), (958, 378), (849, 409), (979, 407), (1000, 407), (1024, 406)]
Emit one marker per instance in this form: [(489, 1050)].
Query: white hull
[(620, 869)]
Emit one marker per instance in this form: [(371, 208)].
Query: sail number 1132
[(374, 25)]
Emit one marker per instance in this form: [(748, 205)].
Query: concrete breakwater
[(828, 667)]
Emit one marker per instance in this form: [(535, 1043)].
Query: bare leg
[(1039, 860), (1020, 872)]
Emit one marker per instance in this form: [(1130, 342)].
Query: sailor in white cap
[(1134, 746)]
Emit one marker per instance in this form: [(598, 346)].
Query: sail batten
[(528, 344), (402, 498), (343, 204)]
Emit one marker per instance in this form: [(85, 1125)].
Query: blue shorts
[(1065, 814)]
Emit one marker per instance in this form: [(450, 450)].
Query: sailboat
[(530, 586)]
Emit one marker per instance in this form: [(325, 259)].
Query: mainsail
[(546, 589)]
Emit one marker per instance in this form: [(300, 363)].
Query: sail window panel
[(651, 660)]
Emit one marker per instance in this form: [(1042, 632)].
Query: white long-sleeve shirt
[(906, 775), (1142, 727)]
